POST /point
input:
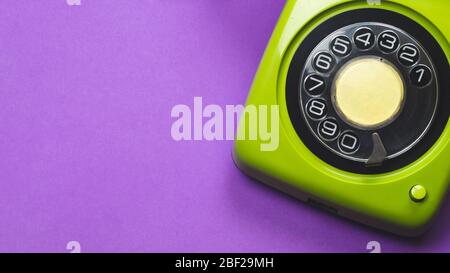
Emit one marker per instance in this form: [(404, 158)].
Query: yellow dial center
[(368, 92)]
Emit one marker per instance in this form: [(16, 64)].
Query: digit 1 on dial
[(420, 75)]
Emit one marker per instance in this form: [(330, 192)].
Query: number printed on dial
[(341, 46), (316, 109), (348, 143), (324, 62), (408, 55), (388, 41), (328, 129), (421, 75), (314, 84), (364, 38)]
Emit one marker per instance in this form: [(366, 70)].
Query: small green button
[(418, 193)]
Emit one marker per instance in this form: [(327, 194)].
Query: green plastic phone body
[(382, 200)]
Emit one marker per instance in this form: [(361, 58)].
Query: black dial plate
[(320, 70), (397, 40)]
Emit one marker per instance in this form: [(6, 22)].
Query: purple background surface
[(85, 147)]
